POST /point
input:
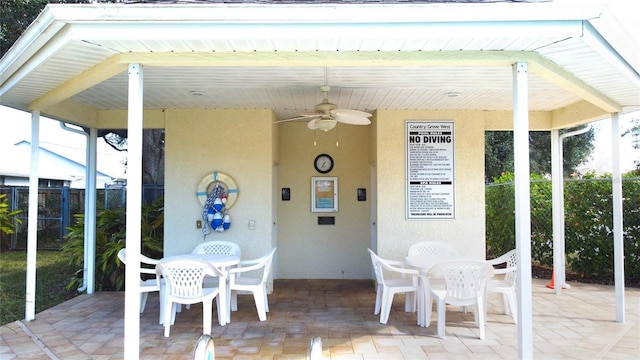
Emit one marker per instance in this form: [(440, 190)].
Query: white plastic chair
[(146, 285), (432, 248), (506, 284), (255, 285), (184, 280), (217, 247), (465, 285), (388, 285)]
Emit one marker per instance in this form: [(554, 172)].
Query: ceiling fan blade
[(350, 113), (310, 114), (297, 118), (353, 120)]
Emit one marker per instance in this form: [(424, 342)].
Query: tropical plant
[(7, 218), (110, 238)]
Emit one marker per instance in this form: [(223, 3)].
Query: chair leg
[(259, 298), (442, 308), (207, 309), (234, 300), (161, 317), (505, 304), (480, 316), (511, 297), (266, 300), (376, 310), (221, 316), (387, 299), (168, 317), (143, 301), (420, 305), (410, 302), (428, 301)]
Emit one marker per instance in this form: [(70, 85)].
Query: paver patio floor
[(579, 324)]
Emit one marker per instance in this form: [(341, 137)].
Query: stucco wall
[(467, 232), (235, 142), (309, 250), (240, 144)]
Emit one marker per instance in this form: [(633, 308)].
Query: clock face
[(323, 163)]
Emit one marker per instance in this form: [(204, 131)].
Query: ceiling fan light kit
[(322, 124), (327, 115)]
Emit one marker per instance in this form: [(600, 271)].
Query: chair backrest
[(217, 247), (464, 280), (386, 269), (431, 248), (185, 277), (267, 262), (263, 263), (510, 261), (377, 270), (144, 260)]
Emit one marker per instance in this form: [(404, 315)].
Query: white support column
[(90, 211), (618, 245), (557, 181), (557, 195), (32, 227), (89, 269), (522, 208), (134, 214)]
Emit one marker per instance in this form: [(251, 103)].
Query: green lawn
[(52, 276)]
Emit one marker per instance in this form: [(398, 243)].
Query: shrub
[(110, 238), (588, 225)]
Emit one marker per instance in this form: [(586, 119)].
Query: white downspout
[(32, 227), (134, 215), (618, 245), (557, 186), (522, 208), (89, 273)]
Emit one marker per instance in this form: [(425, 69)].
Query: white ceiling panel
[(365, 85)]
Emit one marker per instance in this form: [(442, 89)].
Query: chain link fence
[(57, 208), (588, 225)]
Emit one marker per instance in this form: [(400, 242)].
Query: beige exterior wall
[(235, 142), (306, 249), (245, 145), (467, 232)]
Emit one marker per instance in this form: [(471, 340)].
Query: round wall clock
[(323, 163)]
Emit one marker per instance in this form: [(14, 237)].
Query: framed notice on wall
[(324, 194), (430, 165)]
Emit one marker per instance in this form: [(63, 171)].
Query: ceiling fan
[(326, 115)]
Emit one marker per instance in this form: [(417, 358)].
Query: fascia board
[(37, 35), (618, 39), (140, 31), (331, 13), (39, 55)]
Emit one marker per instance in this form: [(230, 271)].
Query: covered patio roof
[(582, 64), (542, 65)]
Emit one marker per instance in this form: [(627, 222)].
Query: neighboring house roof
[(53, 165), (392, 55)]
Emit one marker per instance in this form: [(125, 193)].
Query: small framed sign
[(324, 194)]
